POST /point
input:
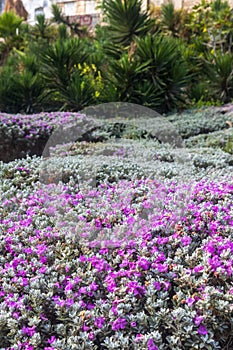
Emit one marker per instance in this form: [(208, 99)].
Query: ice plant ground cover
[(141, 259)]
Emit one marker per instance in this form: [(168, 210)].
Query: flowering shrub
[(91, 77), (121, 264), (172, 288), (22, 135)]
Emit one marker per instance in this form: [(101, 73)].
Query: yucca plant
[(165, 68), (10, 24), (8, 91), (75, 28), (155, 74), (62, 32), (29, 91), (68, 78), (79, 92), (219, 70), (43, 30), (21, 85), (126, 20), (123, 73), (59, 60), (170, 18), (199, 92)]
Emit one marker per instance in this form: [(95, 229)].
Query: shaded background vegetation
[(163, 58)]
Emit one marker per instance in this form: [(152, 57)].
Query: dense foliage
[(140, 257), (120, 236), (163, 58)]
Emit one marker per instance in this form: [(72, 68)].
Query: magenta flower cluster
[(51, 274)]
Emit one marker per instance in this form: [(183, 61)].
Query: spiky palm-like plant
[(126, 20), (170, 18), (21, 85), (219, 70), (59, 60), (68, 78), (9, 22), (75, 27), (9, 25), (155, 75), (165, 69)]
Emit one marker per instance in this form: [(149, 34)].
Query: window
[(90, 6), (69, 8)]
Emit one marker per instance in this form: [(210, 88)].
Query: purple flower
[(93, 286), (85, 328), (162, 240), (29, 347), (69, 302), (119, 323), (51, 340), (15, 315), (30, 331), (98, 223), (139, 337), (43, 269), (136, 289), (90, 306), (167, 285), (83, 290), (111, 285), (24, 281), (70, 286), (151, 345), (114, 310), (157, 285), (144, 264), (190, 301), (214, 262), (198, 320), (202, 330), (186, 240), (91, 336), (43, 317), (99, 321), (41, 248), (162, 267), (198, 268)]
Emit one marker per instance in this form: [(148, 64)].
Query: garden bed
[(140, 257)]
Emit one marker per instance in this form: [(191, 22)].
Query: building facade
[(84, 11), (2, 4)]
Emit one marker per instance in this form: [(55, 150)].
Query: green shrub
[(69, 80), (21, 86), (126, 20), (219, 70), (163, 66)]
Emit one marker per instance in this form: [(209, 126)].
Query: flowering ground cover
[(22, 135), (138, 258)]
